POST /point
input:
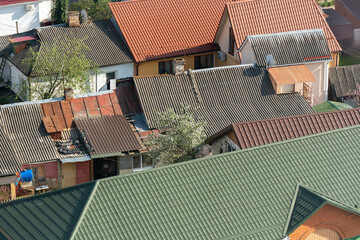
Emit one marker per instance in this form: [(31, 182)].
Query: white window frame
[(141, 163)]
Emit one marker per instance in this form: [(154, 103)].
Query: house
[(23, 15), (275, 191), (344, 83), (248, 18), (350, 9), (340, 26), (220, 96), (296, 61), (187, 31), (107, 51), (256, 133)]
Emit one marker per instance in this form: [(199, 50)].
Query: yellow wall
[(152, 67), (336, 58)]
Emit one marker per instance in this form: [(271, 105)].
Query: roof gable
[(245, 194), (247, 18), (290, 47), (187, 27), (241, 93)]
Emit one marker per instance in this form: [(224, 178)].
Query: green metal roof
[(331, 106), (354, 238), (248, 194)]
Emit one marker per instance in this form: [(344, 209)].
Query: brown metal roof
[(108, 134), (59, 115), (255, 133), (291, 74)]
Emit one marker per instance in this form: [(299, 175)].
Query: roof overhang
[(291, 74), (7, 179)]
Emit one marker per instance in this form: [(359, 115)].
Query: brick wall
[(340, 8), (346, 224)]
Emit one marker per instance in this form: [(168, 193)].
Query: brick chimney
[(68, 93), (178, 66), (73, 19)]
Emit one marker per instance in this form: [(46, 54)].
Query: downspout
[(326, 80)]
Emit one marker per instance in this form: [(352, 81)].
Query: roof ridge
[(84, 210), (229, 153)]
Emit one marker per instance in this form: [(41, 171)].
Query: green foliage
[(57, 66), (346, 60), (183, 136), (97, 10), (326, 3), (59, 13)]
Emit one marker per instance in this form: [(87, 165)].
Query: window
[(229, 148), (231, 41), (204, 61), (109, 75), (141, 163), (165, 67)]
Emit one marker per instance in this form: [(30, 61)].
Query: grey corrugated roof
[(290, 47), (27, 134), (334, 18), (221, 96), (5, 46), (107, 47), (344, 80), (9, 163), (108, 134)]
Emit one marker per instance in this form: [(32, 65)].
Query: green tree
[(56, 66), (59, 13), (182, 137), (97, 10)]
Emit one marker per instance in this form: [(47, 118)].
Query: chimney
[(178, 66), (68, 93), (73, 19)]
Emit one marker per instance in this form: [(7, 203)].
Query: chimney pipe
[(68, 93), (73, 19)]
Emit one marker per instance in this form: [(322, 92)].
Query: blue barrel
[(26, 176)]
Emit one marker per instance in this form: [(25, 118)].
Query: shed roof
[(256, 17), (240, 195), (187, 27), (290, 47), (335, 18), (221, 96), (345, 81), (256, 133), (108, 134)]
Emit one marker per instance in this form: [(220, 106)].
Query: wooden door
[(68, 174)]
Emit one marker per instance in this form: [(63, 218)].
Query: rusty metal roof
[(256, 133), (108, 134)]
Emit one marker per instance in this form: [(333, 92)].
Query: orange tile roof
[(254, 17), (158, 29)]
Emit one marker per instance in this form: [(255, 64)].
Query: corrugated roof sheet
[(27, 134), (290, 47), (209, 198), (345, 80), (108, 134), (187, 27), (5, 47), (256, 133), (221, 96), (256, 17), (9, 163)]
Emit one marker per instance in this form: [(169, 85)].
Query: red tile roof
[(59, 115), (158, 29), (256, 133), (254, 17), (10, 2)]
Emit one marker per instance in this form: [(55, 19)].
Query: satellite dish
[(84, 16), (270, 60)]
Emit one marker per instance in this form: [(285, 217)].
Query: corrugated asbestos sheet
[(345, 81), (291, 47), (221, 96), (27, 134), (9, 163), (5, 47), (209, 198), (108, 134), (251, 134)]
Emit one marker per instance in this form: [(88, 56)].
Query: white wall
[(17, 78), (27, 20), (319, 88), (223, 37), (247, 54), (121, 71)]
